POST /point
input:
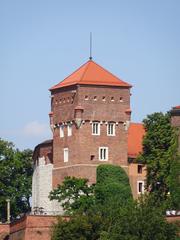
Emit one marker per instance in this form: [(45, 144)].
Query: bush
[(112, 182)]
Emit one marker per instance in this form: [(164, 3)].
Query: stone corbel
[(78, 122)]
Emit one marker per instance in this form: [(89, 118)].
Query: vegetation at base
[(75, 194), (116, 219), (110, 213), (15, 179), (160, 154)]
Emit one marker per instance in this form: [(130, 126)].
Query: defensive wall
[(38, 226)]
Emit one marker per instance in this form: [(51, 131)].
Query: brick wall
[(4, 230), (175, 121), (98, 103), (32, 227), (134, 177), (173, 219), (39, 227), (44, 150), (4, 227)]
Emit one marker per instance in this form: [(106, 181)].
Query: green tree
[(127, 221), (140, 220), (159, 154), (112, 182), (74, 194), (133, 221), (79, 226), (15, 179), (174, 183), (89, 206)]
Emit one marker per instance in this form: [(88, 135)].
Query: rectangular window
[(140, 167), (140, 187), (69, 130), (66, 154), (103, 153), (61, 131), (95, 128), (111, 129)]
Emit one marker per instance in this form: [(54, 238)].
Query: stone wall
[(41, 187)]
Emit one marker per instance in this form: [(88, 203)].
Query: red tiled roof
[(136, 132), (177, 107), (91, 74)]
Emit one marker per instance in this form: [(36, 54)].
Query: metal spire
[(90, 49)]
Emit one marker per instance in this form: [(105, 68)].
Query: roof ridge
[(112, 74), (70, 74), (88, 62)]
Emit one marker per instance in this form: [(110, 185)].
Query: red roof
[(177, 107), (93, 74), (136, 132)]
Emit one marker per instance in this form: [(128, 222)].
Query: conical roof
[(91, 73)]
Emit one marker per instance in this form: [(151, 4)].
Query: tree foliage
[(112, 213), (131, 221), (140, 220), (174, 183), (15, 179), (74, 194), (79, 226), (159, 154), (112, 182)]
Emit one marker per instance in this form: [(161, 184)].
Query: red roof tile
[(91, 74), (177, 107), (136, 132)]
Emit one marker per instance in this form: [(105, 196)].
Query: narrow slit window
[(61, 131), (69, 130), (140, 187), (66, 154), (140, 168)]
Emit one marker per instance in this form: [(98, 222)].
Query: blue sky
[(41, 42)]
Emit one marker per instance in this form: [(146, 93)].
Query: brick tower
[(90, 114)]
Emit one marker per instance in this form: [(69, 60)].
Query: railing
[(173, 213), (41, 211)]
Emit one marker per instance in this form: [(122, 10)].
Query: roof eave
[(90, 84)]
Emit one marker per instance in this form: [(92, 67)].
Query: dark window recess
[(140, 167), (92, 157), (140, 187)]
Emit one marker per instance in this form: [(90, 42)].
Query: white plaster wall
[(41, 187)]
